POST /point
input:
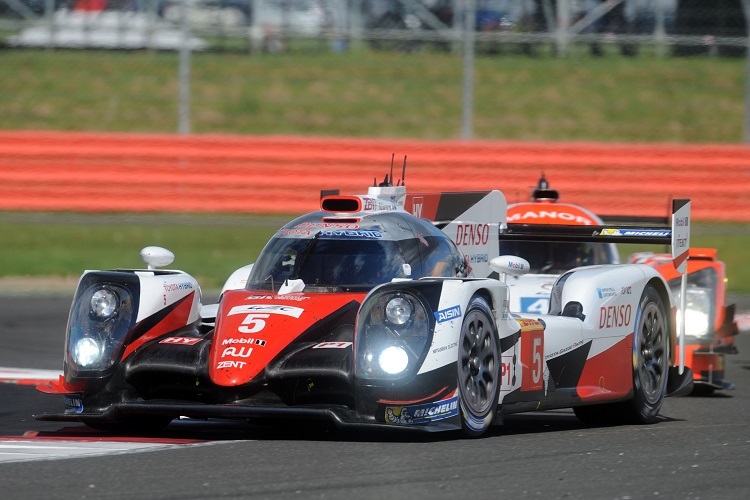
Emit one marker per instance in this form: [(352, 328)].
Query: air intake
[(341, 204)]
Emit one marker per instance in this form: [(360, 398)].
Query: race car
[(368, 316), (710, 323), (549, 259), (710, 326)]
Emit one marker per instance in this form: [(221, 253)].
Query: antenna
[(403, 173), (543, 184), (393, 155)]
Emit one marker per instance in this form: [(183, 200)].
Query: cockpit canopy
[(356, 253)]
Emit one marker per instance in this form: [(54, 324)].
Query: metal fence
[(534, 27), (468, 28)]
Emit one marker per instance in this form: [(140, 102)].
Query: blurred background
[(674, 27), (614, 70)]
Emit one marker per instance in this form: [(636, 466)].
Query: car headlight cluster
[(700, 300), (99, 321), (393, 333), (697, 312)]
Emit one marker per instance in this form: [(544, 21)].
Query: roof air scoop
[(341, 204), (543, 191)]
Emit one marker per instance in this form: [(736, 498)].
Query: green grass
[(379, 94), (360, 93), (210, 248)]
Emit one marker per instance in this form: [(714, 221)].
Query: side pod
[(679, 384)]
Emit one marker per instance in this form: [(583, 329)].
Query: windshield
[(556, 257), (339, 262)]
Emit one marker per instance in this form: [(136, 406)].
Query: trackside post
[(680, 250)]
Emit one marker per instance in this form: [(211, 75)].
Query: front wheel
[(478, 368)]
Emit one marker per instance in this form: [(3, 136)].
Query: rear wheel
[(478, 368), (650, 366), (650, 357)]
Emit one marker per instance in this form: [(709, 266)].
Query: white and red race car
[(366, 315), (710, 324)]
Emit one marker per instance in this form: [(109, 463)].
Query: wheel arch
[(666, 297)]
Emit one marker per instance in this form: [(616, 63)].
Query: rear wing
[(673, 231)]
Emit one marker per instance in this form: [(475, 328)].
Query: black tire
[(650, 358), (478, 368), (650, 367)]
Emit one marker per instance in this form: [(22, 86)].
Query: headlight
[(398, 310), (697, 313), (100, 319), (86, 352), (393, 333), (103, 303), (701, 302), (393, 360)]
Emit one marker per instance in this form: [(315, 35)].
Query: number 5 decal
[(532, 358), (254, 322)]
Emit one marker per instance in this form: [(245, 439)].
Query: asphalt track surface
[(700, 448)]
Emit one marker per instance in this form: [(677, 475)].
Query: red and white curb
[(28, 376), (34, 446)]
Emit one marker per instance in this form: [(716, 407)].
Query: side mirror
[(509, 264), (156, 257)]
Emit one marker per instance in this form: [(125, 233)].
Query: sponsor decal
[(332, 345), (248, 341), (472, 234), (327, 225), (479, 257), (232, 351), (615, 316), (563, 350), (283, 309), (417, 206), (352, 234), (626, 290), (294, 232), (448, 314), (180, 340), (606, 292), (529, 324), (516, 265), (663, 233), (73, 403), (545, 214), (295, 298), (173, 287), (231, 364), (445, 348), (421, 414), (372, 205)]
